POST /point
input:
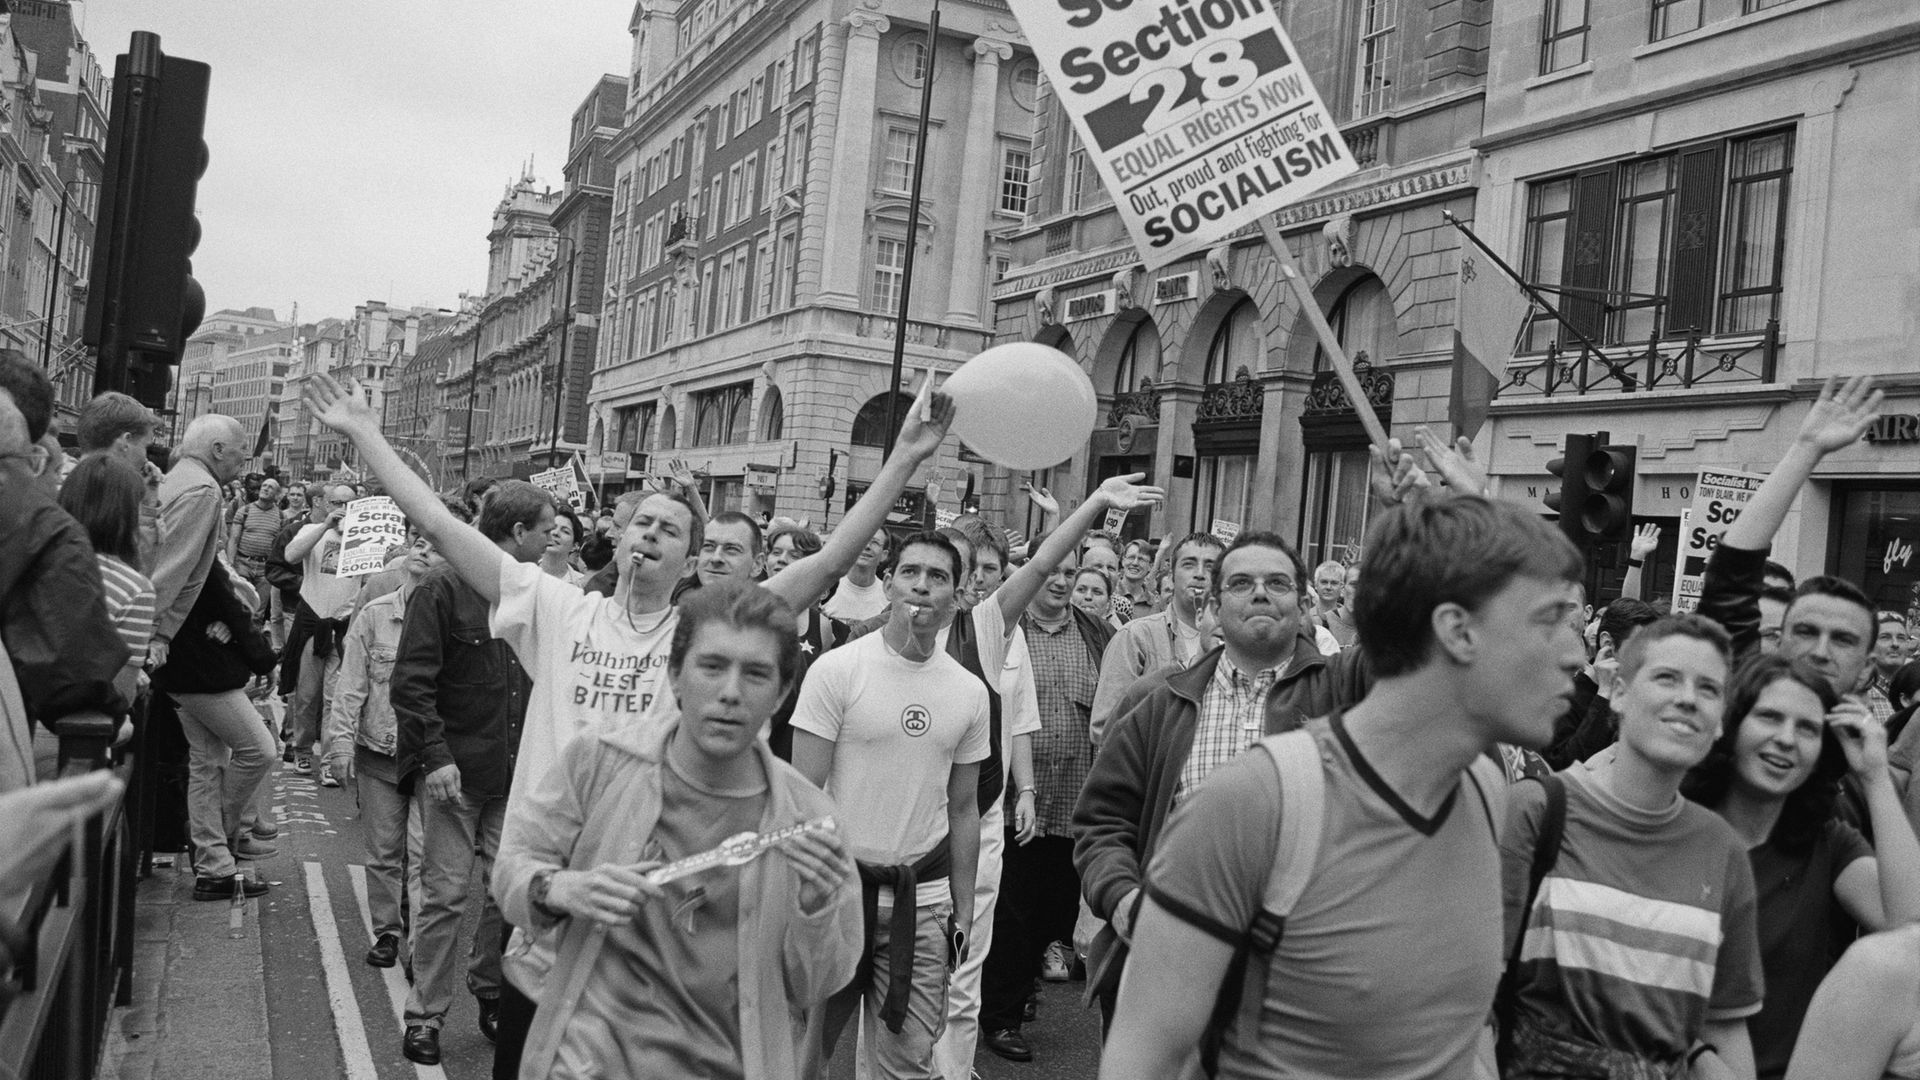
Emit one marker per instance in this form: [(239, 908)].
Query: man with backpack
[(1331, 905)]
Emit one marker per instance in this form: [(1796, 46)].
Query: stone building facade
[(1734, 182), (760, 232), (1210, 379)]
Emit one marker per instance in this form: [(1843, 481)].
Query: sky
[(357, 148)]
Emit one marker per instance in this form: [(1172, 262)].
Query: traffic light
[(1569, 499), (145, 303), (1607, 516)]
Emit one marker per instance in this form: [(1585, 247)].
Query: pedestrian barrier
[(67, 947)]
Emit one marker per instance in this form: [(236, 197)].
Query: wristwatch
[(537, 891)]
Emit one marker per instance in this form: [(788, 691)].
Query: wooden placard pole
[(1341, 366)]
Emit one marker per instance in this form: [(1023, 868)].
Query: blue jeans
[(230, 754)]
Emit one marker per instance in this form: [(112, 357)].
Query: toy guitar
[(738, 850)]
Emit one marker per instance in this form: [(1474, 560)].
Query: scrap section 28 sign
[(1198, 113)]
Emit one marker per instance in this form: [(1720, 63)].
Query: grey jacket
[(190, 536)]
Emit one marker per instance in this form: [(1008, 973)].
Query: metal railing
[(71, 943), (1683, 363)]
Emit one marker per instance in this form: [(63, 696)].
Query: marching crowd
[(749, 799)]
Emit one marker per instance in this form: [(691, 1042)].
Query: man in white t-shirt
[(326, 603), (596, 659), (896, 731), (860, 596)]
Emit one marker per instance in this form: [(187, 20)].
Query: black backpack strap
[(1546, 852)]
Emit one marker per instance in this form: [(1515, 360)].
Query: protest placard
[(1718, 498), (1199, 115), (562, 483), (370, 528), (1115, 522), (1200, 118), (1224, 531)]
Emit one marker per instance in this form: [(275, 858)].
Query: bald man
[(230, 750)]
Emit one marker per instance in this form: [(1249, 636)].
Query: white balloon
[(1023, 405)]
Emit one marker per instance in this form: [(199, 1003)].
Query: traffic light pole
[(144, 64)]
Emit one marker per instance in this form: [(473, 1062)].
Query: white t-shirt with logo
[(898, 728), (852, 603), (591, 664), (330, 596)]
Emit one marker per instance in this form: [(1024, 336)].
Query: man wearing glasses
[(1177, 726)]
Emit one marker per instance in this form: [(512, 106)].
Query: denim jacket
[(459, 695), (361, 712)]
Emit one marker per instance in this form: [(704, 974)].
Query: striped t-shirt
[(129, 598), (257, 525), (1642, 932)]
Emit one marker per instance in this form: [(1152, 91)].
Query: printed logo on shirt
[(916, 721), (614, 682)]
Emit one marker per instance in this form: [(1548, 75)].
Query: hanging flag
[(1490, 312), (266, 435)]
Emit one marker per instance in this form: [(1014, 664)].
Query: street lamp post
[(466, 437)]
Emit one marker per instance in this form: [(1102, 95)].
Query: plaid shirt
[(1233, 716), (1064, 678), (1877, 702)]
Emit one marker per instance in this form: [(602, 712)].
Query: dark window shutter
[(1696, 241), (1589, 252)]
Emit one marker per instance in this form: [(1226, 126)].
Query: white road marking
[(354, 1049), (395, 976)]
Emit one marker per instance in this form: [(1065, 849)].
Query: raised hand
[(1862, 738), (1394, 481), (342, 408), (1041, 498), (1126, 492), (681, 472), (1839, 417), (1454, 463), (927, 421), (1645, 539)]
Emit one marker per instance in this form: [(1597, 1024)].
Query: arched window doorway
[(1226, 434), (773, 420), (1337, 501), (870, 423), (669, 429), (1139, 358)]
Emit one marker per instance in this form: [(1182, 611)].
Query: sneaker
[(327, 780), (303, 764), (221, 888), (250, 847), (1056, 965)]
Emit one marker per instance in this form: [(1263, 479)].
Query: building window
[(889, 264), (1757, 227), (1689, 241), (1139, 358), (870, 423), (796, 149), (1748, 7), (910, 59), (1016, 173), (716, 206), (787, 271), (1026, 82), (1339, 505), (896, 172), (1563, 35), (1378, 21), (720, 416), (1670, 17), (1235, 345), (1224, 491), (1076, 179), (773, 421), (805, 52)]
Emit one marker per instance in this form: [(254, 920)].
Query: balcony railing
[(1686, 363), (1363, 140), (1142, 402), (1328, 396), (1239, 401)]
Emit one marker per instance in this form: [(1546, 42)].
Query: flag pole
[(1328, 341), (1533, 293)]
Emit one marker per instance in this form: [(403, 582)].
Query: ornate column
[(979, 187), (852, 178)]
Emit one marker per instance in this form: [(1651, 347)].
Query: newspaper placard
[(1199, 116), (371, 527), (1718, 498), (1115, 522), (1224, 531), (562, 483)]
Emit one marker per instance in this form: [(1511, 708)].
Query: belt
[(903, 879)]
